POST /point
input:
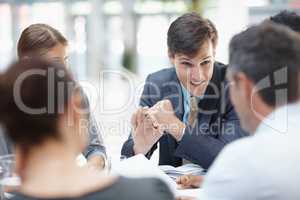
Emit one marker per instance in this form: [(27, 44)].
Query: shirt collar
[(281, 120), (187, 94)]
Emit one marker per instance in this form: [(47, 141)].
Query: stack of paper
[(139, 166), (175, 172)]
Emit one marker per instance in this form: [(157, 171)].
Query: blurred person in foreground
[(48, 126)]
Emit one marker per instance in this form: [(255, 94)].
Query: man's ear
[(171, 57), (245, 85)]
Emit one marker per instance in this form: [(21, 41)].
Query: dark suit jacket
[(217, 123)]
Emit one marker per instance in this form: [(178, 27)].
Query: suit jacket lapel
[(208, 105)]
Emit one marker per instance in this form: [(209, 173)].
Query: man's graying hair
[(268, 51)]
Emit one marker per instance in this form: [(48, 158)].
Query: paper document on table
[(175, 172), (139, 166)]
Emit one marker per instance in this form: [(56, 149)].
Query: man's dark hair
[(269, 52), (287, 18), (187, 34)]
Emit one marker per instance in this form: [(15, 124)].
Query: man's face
[(239, 98), (195, 72)]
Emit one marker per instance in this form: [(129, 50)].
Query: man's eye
[(186, 63)]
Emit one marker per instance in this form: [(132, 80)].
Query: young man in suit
[(186, 109)]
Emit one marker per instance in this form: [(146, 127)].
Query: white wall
[(230, 17)]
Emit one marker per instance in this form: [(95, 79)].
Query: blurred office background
[(126, 39)]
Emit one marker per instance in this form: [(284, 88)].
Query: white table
[(188, 193), (139, 166)]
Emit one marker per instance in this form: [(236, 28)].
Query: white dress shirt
[(263, 166)]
